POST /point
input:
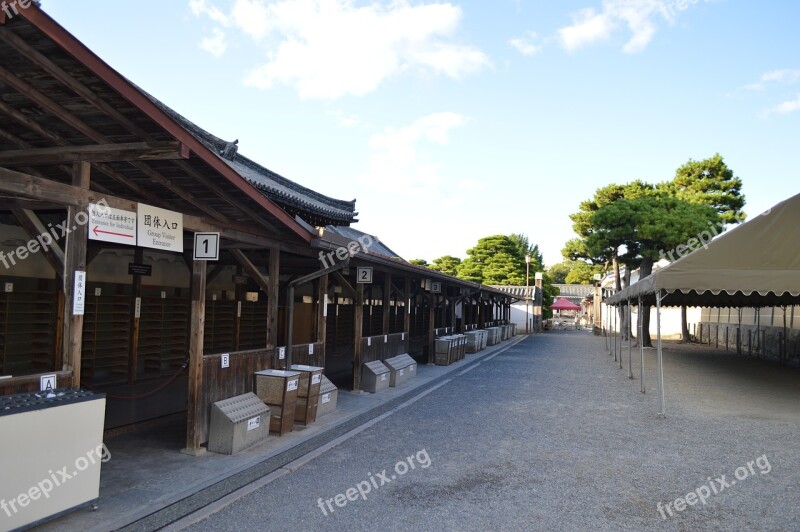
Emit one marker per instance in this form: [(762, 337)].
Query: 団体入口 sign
[(159, 228)]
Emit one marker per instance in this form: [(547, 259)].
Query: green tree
[(494, 260), (419, 262), (708, 182), (446, 264), (574, 272)]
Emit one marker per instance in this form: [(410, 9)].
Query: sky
[(451, 121)]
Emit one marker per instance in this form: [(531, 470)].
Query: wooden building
[(105, 195)]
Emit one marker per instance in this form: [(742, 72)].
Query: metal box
[(374, 376), (281, 419), (310, 379), (328, 396), (237, 423), (401, 368), (43, 432), (276, 386), (278, 389), (307, 393)]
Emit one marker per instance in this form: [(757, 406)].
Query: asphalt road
[(548, 435)]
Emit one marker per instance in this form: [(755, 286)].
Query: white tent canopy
[(756, 264)]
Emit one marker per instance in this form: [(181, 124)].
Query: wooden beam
[(358, 317), (250, 268), (32, 54), (215, 271), (38, 188), (196, 337), (322, 314), (431, 328), (344, 283), (136, 293), (273, 296), (387, 292), (96, 153), (35, 228), (74, 261)]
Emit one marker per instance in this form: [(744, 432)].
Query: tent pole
[(641, 344), (630, 340), (621, 337), (660, 357), (615, 333)]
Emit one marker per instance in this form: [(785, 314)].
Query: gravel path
[(550, 435)]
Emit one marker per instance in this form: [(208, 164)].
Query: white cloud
[(786, 76), (525, 45), (216, 44), (347, 121), (590, 26), (587, 27), (401, 163), (201, 7), (327, 49), (789, 106)]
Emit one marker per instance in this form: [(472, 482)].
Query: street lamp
[(527, 288)]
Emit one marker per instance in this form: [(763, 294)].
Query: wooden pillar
[(407, 299), (453, 319), (239, 295), (273, 296), (136, 295), (358, 317), (481, 312), (387, 300), (322, 314), (443, 316), (196, 330), (74, 261), (431, 328)]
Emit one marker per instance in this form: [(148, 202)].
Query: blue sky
[(453, 121)]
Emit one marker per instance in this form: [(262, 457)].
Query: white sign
[(436, 287), (369, 341), (412, 367), (315, 379), (206, 246), (159, 229), (79, 294), (383, 376), (47, 382), (281, 353), (137, 309), (310, 349), (326, 398), (400, 372), (238, 309), (98, 292), (225, 360), (385, 338), (112, 225), (253, 423), (325, 307), (364, 275), (402, 336), (292, 385), (9, 287)]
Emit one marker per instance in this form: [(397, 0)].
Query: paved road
[(548, 435)]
